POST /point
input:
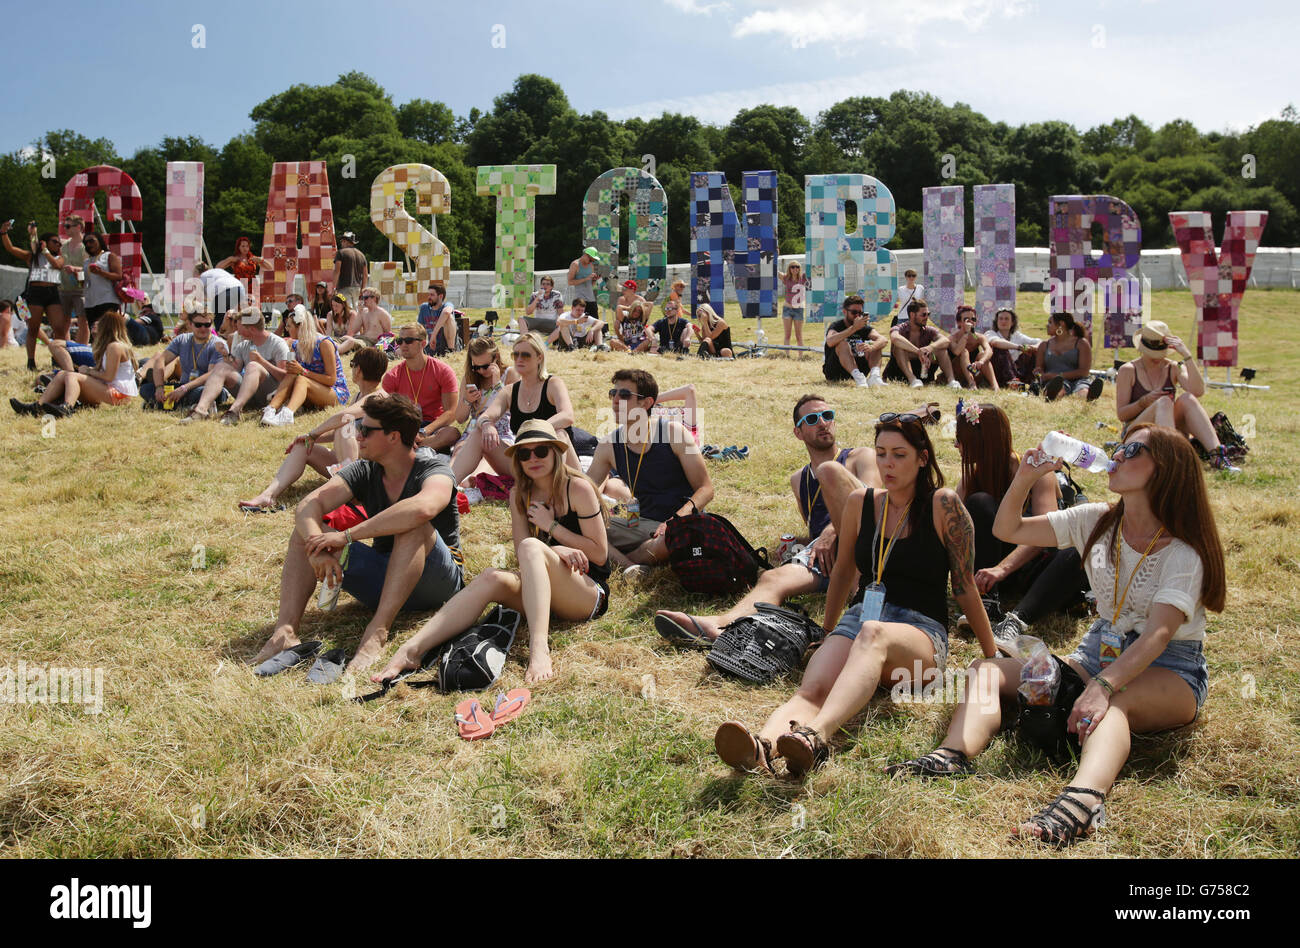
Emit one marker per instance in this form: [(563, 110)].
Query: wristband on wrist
[(347, 535), (1105, 683)]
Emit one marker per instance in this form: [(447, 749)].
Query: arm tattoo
[(959, 538)]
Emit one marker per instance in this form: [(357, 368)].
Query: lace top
[(1172, 575)]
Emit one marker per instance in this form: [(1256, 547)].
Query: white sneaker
[(874, 379), (859, 378), (954, 384), (283, 418), (268, 415), (636, 572), (473, 495), (917, 383)]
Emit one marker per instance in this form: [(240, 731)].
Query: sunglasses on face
[(892, 416), (198, 325), (522, 355), (486, 366), (622, 394), (826, 414), (364, 429), (408, 340), (854, 312), (1155, 344), (1129, 451), (527, 454)]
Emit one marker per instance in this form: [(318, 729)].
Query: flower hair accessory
[(969, 410)]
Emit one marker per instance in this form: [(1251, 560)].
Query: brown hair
[(804, 400), (396, 413), (1015, 320), (477, 347), (561, 474), (110, 328), (371, 362), (853, 300), (930, 478), (642, 382), (986, 456), (1177, 495)]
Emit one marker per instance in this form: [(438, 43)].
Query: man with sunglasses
[(201, 353), (255, 366), (821, 488), (852, 347), (914, 347), (661, 470), (414, 563), (372, 320), (428, 382)]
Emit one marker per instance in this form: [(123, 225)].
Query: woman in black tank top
[(563, 557), (548, 395), (905, 538)]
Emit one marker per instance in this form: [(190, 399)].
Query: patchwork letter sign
[(298, 203), (183, 235), (943, 219), (647, 239), (516, 188), (1084, 277), (122, 203), (995, 251), (1217, 280), (830, 249), (401, 288), (720, 241)]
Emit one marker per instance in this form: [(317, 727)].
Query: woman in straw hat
[(558, 521), (1146, 389)]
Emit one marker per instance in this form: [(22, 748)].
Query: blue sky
[(134, 76)]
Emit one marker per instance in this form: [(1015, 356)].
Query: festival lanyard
[(883, 552), (807, 476), (628, 464), (1120, 600), (416, 392)]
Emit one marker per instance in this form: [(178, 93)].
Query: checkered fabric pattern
[(647, 241), (995, 251), (397, 286), (1071, 259), (516, 188), (1217, 279), (183, 236), (943, 221), (834, 258), (123, 203), (298, 203), (721, 241)]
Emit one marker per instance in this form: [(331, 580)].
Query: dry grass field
[(122, 550)]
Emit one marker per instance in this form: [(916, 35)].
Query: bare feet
[(372, 644), (539, 668), (396, 665), (261, 500), (284, 637)]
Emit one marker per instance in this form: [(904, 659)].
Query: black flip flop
[(681, 636), (426, 664)]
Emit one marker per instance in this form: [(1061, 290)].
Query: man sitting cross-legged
[(658, 462), (821, 488), (415, 562), (255, 367)]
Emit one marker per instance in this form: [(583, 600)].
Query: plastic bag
[(1040, 676)]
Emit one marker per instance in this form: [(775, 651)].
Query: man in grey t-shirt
[(255, 366)]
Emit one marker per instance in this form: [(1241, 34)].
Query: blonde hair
[(792, 265), (534, 340), (705, 312), (308, 334), (111, 328)]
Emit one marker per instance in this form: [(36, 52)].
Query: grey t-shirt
[(273, 350), (366, 481)]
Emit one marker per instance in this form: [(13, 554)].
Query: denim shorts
[(363, 579), (851, 623), (804, 559), (1184, 658), (792, 312)]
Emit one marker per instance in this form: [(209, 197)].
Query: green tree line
[(909, 140)]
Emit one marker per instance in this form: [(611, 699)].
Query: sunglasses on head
[(408, 340), (827, 414), (364, 429), (1129, 451), (905, 418), (623, 394), (527, 454)]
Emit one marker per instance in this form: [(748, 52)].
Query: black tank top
[(571, 521), (656, 478), (916, 574), (544, 410)]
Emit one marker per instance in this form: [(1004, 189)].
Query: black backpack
[(473, 660), (709, 555), (1043, 725), (766, 645)]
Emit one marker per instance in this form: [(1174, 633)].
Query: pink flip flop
[(509, 706), (471, 722)]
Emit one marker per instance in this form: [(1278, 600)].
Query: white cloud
[(698, 8)]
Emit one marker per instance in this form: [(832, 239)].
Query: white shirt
[(1172, 576), (216, 281)]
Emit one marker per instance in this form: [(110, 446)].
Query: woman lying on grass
[(558, 520), (368, 368), (113, 383), (1155, 563), (901, 543)]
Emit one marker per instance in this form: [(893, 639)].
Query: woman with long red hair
[(1155, 564), (245, 264)]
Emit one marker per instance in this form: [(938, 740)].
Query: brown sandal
[(743, 750), (803, 749)]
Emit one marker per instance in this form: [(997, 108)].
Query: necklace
[(416, 392)]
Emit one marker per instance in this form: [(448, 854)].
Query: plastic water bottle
[(1077, 453)]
